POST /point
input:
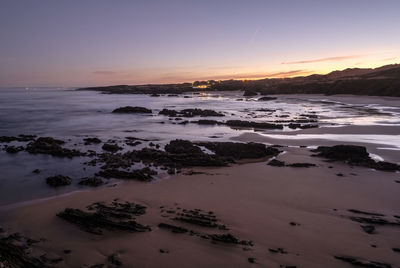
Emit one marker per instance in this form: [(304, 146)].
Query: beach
[(281, 216)]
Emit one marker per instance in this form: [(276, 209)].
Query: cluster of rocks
[(200, 219), (51, 146), (178, 154), (100, 217), (20, 138), (16, 252), (354, 155), (190, 113)]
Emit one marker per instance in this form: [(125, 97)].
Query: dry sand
[(256, 201)]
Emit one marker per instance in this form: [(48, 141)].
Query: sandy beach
[(257, 202)]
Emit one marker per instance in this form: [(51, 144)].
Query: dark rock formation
[(131, 109), (276, 163), (266, 98), (190, 113), (111, 147), (15, 253), (250, 124), (91, 141), (47, 145), (239, 151), (182, 147), (144, 174), (354, 155), (93, 181), (173, 228), (58, 180), (249, 93), (207, 122), (199, 218), (14, 149), (369, 229), (300, 165), (115, 217), (363, 263), (20, 138)]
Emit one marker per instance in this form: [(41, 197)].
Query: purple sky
[(103, 42)]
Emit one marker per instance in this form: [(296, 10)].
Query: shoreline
[(280, 195)]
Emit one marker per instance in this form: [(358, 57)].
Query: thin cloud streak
[(340, 58)]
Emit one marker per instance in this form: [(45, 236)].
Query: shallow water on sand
[(72, 115)]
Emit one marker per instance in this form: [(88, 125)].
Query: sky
[(73, 43)]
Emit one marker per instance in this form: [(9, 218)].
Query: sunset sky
[(104, 42)]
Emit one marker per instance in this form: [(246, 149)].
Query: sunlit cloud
[(340, 58)]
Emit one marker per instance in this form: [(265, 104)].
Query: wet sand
[(256, 201)]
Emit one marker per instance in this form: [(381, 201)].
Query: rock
[(168, 112), (369, 229), (114, 259), (91, 181), (58, 180), (173, 228), (130, 109), (249, 93), (190, 113), (47, 145), (15, 252), (276, 163), (207, 122), (251, 260), (266, 98), (356, 211), (163, 250), (396, 249), (199, 218), (20, 138), (250, 124), (354, 155), (182, 147), (363, 263), (111, 147), (144, 174), (237, 150), (36, 171), (104, 218), (155, 95), (14, 149), (91, 141), (300, 165), (135, 143)]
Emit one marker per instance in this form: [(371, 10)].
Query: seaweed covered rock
[(132, 110)]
